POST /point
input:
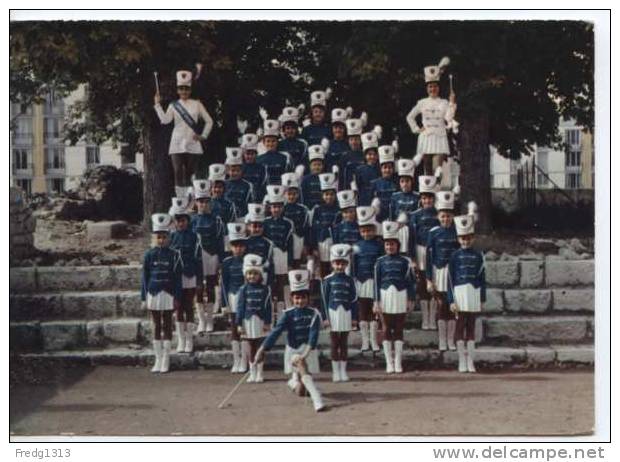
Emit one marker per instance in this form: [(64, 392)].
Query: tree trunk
[(475, 177), (158, 175)]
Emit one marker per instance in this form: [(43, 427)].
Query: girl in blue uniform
[(237, 189), (276, 163), (323, 218), (232, 279), (365, 174), (365, 254), (338, 144), (220, 206), (187, 243), (440, 246), (299, 214), (162, 288), (302, 324), (420, 223), (394, 296), (353, 158), (253, 316), (253, 172), (346, 231), (406, 200), (317, 128), (279, 230), (310, 183), (385, 186), (466, 291), (291, 143), (339, 306), (257, 243), (211, 231)]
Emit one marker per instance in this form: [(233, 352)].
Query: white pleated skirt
[(298, 246), (394, 301), (189, 283), (312, 360), (163, 301), (365, 289), (467, 298), (232, 301), (340, 320), (433, 143), (280, 261), (420, 256), (440, 278), (324, 249), (403, 238), (210, 264), (253, 327)]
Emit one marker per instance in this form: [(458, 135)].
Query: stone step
[(487, 357), (93, 305), (502, 274), (498, 330)]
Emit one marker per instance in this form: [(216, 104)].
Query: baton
[(156, 82), (235, 388)]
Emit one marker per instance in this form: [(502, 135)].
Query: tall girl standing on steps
[(186, 137)]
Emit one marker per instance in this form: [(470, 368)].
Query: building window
[(55, 157), (25, 185), (573, 138), (21, 158), (57, 185), (23, 131), (54, 104), (542, 162), (92, 156), (573, 159), (19, 109), (573, 180), (53, 129)]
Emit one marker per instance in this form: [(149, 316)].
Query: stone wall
[(21, 226)]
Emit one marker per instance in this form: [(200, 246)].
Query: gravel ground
[(110, 400)]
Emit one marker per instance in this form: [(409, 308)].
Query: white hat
[(366, 216), (405, 167), (433, 73), (386, 154), (427, 184), (179, 206), (161, 222), (202, 189), (340, 115), (354, 126), (328, 181), (217, 172), (251, 262), (271, 127), (236, 232), (256, 213), (291, 114), (464, 225), (316, 151), (319, 97), (275, 194), (445, 200), (346, 199), (299, 280), (390, 230), (371, 139), (290, 180), (340, 252), (249, 141), (184, 79), (234, 156)]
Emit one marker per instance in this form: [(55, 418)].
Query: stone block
[(532, 273), (67, 278), (573, 300), (539, 356), (495, 301), (94, 333), (35, 306), (22, 279), (130, 305), (499, 355), (527, 300), (563, 273), (536, 329), (63, 335), (579, 354), (502, 273), (89, 305), (25, 336), (122, 330), (102, 230), (127, 277)]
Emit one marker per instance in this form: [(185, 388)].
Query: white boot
[(389, 361), (432, 314), (365, 335), (343, 372), (236, 352), (398, 356), (165, 357), (424, 310), (335, 371), (252, 377), (245, 357), (460, 347), (471, 355), (200, 311), (293, 381), (189, 337), (315, 395), (374, 343), (259, 373), (158, 349), (209, 316), (217, 303), (442, 334), (451, 332), (180, 337)]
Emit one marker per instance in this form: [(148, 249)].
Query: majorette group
[(321, 213)]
